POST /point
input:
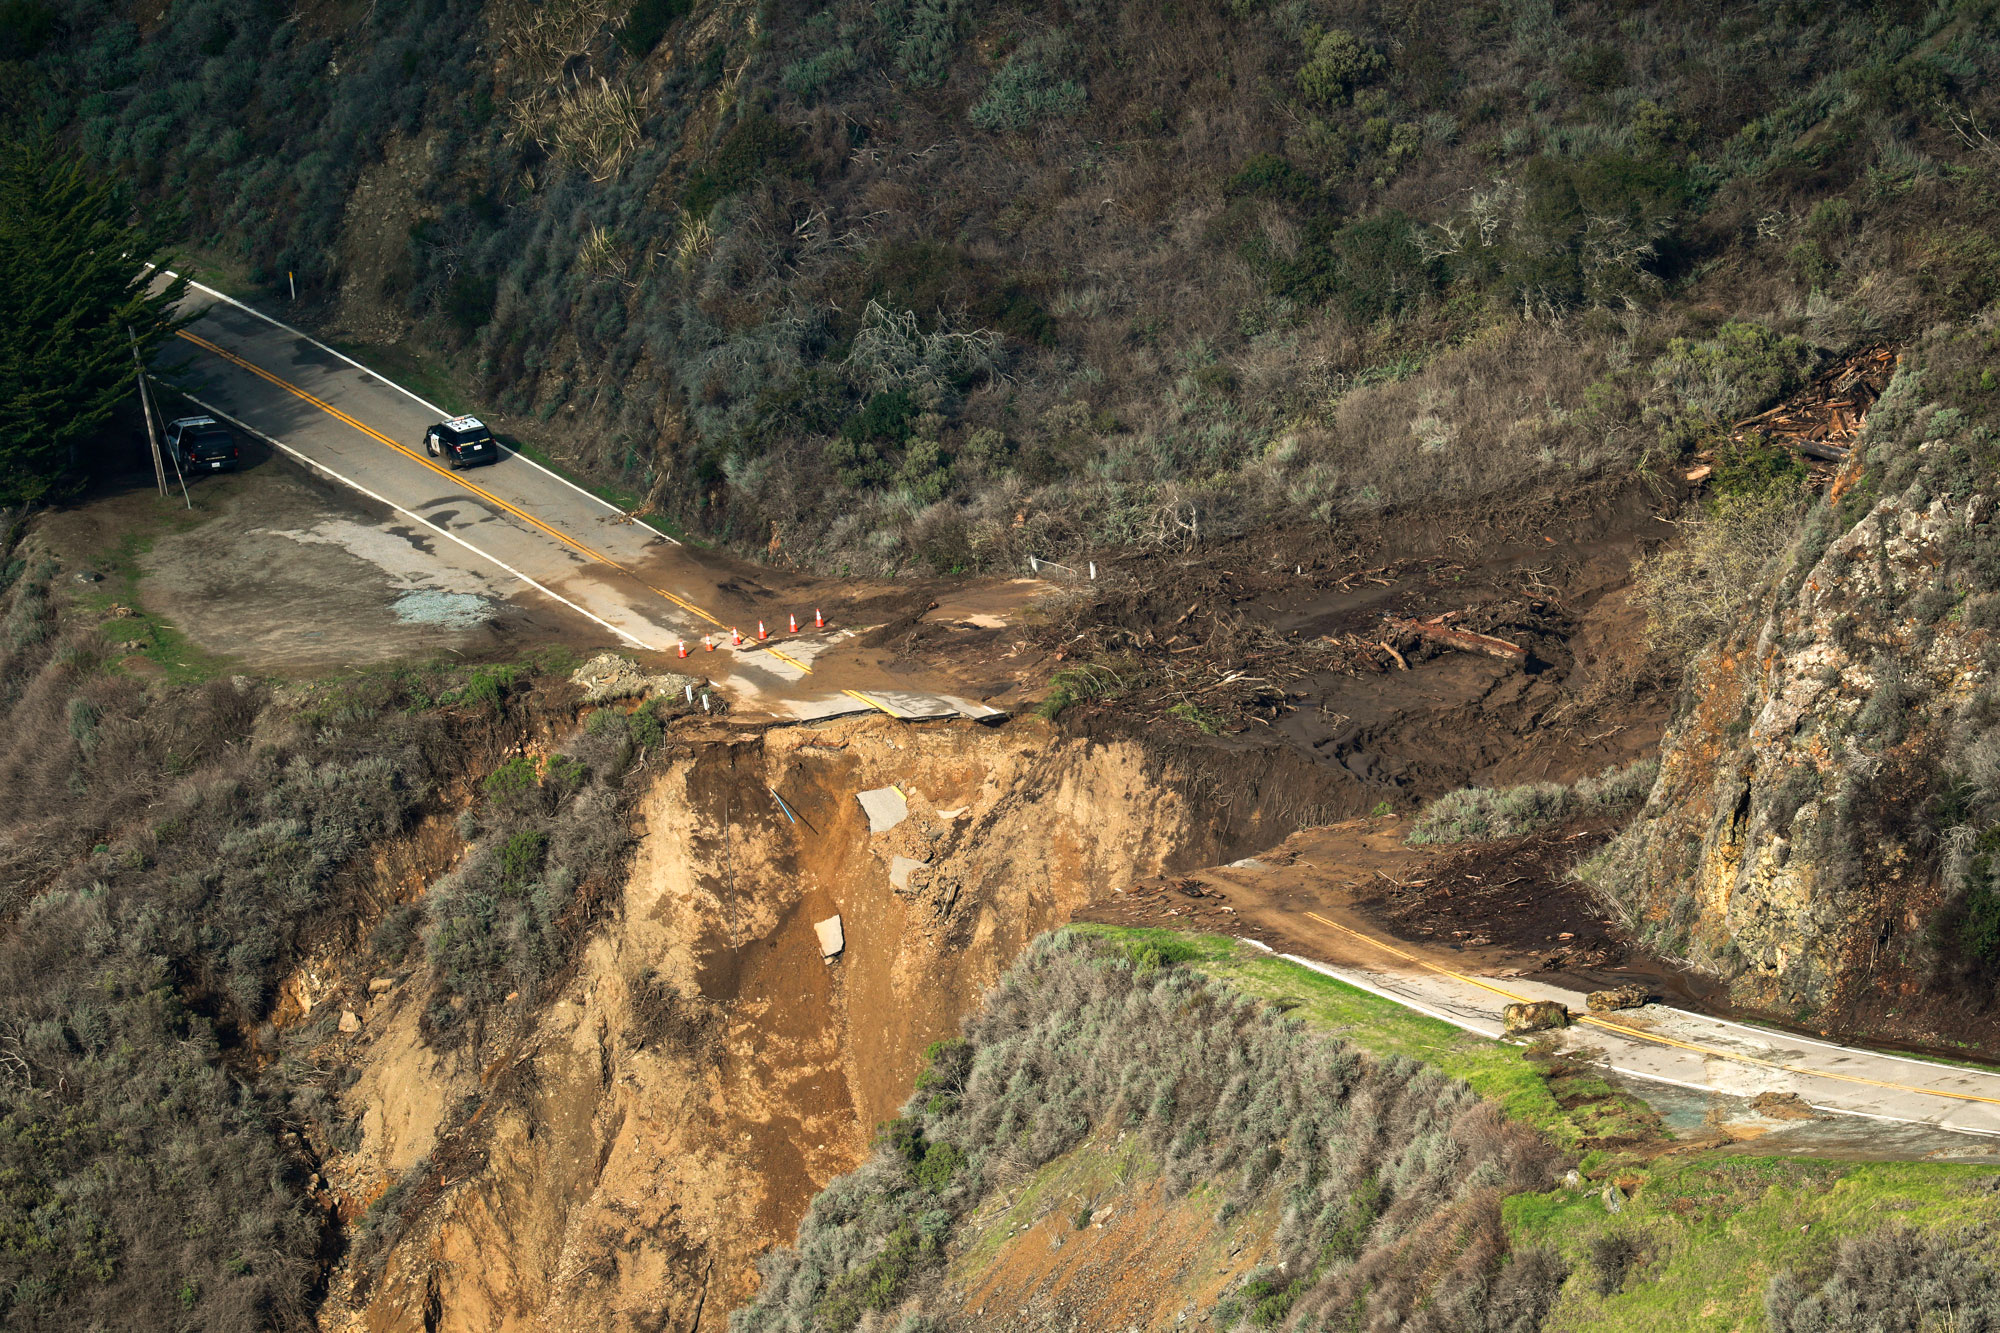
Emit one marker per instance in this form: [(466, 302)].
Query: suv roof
[(190, 423)]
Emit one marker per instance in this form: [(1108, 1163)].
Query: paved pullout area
[(517, 527)]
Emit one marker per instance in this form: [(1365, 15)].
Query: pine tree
[(73, 280)]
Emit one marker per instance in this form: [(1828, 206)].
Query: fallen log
[(1462, 639), (1828, 453)]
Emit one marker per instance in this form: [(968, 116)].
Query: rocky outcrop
[(1826, 758)]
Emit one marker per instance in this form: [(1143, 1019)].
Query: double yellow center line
[(588, 552), (1641, 1034)]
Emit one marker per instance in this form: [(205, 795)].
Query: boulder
[(1623, 997), (1534, 1016), (381, 984), (1783, 1106), (350, 1021), (609, 676)]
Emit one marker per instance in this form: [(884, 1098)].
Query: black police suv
[(461, 442)]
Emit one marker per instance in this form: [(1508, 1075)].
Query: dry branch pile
[(1823, 420)]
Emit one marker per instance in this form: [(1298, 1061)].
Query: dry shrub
[(1486, 814), (1726, 560), (1507, 409), (1893, 1278), (1390, 1171)]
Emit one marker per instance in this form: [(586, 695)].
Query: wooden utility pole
[(146, 409)]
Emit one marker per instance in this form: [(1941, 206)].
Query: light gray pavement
[(1662, 1044), (553, 541)]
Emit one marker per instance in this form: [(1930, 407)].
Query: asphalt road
[(1697, 1052), (621, 580)]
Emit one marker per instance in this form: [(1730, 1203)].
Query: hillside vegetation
[(939, 282), (1391, 1172), (171, 853), (1315, 1124)]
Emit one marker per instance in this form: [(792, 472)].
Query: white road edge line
[(318, 466), (1780, 1034), (411, 394), (1460, 1023)]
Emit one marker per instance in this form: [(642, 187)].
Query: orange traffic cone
[(819, 621), (735, 637), (708, 643), (795, 624), (760, 631), (682, 645)]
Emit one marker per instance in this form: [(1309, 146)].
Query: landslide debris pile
[(1389, 1174)]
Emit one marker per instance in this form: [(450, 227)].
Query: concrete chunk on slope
[(886, 808), (832, 940), (900, 868)]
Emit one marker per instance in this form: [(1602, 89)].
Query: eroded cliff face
[(622, 1158), (1826, 761)]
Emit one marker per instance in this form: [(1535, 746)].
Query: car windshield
[(210, 444)]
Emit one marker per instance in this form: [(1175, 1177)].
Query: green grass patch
[(1495, 1070), (179, 660), (1070, 686), (1711, 1231)]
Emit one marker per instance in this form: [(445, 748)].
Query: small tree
[(73, 281)]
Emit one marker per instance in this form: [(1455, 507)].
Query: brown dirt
[(1515, 895), (1505, 907), (1281, 639), (1144, 1258), (622, 1166), (279, 571)]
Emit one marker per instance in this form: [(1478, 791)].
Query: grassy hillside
[(937, 282)]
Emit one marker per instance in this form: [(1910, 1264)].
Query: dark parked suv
[(461, 442), (202, 444)]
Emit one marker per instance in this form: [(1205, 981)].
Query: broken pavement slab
[(886, 807), (900, 868), (832, 939)]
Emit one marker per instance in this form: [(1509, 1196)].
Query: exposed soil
[(670, 1116), (1504, 907), (1515, 895), (1293, 638)]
